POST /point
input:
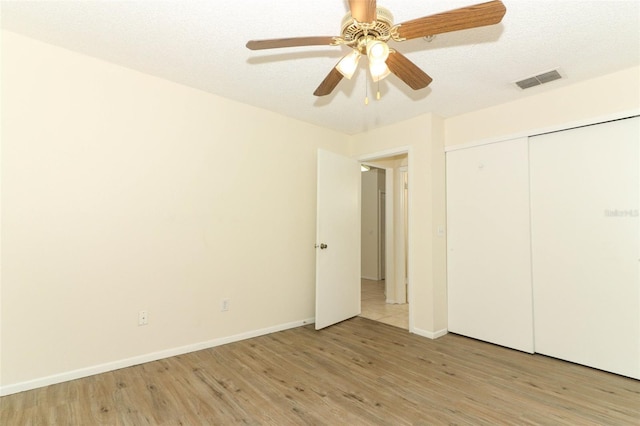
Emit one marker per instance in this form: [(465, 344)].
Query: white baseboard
[(429, 334), (141, 359)]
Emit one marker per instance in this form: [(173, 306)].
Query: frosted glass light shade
[(378, 70), (377, 51), (347, 65)]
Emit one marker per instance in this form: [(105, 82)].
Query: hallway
[(373, 305)]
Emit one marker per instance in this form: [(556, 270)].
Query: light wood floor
[(374, 306), (358, 372)]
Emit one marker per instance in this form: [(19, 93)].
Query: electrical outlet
[(143, 318), (224, 305)]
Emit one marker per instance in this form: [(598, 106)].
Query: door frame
[(382, 233), (401, 287), (381, 155)]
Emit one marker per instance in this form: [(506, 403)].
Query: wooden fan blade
[(329, 83), (407, 71), (477, 15), (363, 10), (289, 42)]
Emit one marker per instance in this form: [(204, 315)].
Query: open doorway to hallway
[(375, 307), (384, 233)]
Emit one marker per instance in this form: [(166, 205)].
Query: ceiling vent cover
[(539, 79)]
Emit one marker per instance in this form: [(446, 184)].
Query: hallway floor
[(373, 305)]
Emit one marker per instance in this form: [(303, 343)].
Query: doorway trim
[(381, 155), (382, 233), (403, 186)]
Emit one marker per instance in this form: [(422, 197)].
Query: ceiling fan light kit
[(377, 51), (367, 28), (379, 70), (347, 65)]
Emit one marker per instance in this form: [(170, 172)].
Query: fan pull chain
[(366, 89), (378, 93)]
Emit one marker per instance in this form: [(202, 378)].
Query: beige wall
[(123, 192), (424, 138), (593, 99), (609, 96)]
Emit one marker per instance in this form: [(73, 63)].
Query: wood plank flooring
[(358, 372)]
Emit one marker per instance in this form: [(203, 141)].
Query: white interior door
[(488, 261), (337, 239), (585, 226)]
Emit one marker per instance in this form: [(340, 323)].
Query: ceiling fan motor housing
[(352, 30)]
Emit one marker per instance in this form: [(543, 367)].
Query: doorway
[(384, 232)]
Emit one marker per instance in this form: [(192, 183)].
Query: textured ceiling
[(202, 44)]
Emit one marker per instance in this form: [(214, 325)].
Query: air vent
[(539, 79)]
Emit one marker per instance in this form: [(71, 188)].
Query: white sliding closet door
[(488, 239), (585, 187)]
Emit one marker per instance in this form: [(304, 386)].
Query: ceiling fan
[(367, 28)]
